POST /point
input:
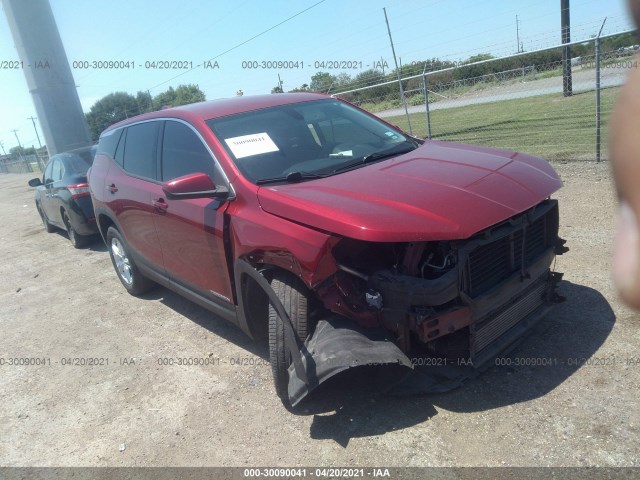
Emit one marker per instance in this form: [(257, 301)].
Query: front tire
[(296, 300), (47, 226), (128, 272)]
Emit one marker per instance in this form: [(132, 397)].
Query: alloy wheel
[(123, 265)]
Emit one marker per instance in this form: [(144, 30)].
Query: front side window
[(320, 137), (184, 153), (140, 149)]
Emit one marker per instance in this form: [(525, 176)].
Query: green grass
[(550, 126)]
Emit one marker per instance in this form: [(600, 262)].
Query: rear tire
[(296, 300), (128, 273), (77, 240), (47, 226)]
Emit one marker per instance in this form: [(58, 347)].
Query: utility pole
[(565, 20), (33, 120), (393, 50), (517, 35), (2, 146), (15, 132)]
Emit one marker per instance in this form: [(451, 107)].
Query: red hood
[(440, 191)]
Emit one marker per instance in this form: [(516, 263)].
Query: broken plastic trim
[(339, 344)]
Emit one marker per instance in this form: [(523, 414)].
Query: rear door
[(43, 190), (52, 195), (130, 190), (191, 230)]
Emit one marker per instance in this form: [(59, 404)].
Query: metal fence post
[(402, 97), (597, 43), (425, 88), (598, 99)]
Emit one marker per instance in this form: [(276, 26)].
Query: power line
[(241, 44)]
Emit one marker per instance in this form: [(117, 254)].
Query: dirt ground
[(58, 304)]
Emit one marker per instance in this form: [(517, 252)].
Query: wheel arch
[(245, 273), (104, 221), (252, 282)]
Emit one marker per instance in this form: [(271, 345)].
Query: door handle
[(112, 188), (160, 205)]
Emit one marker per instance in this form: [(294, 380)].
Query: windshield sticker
[(391, 134), (345, 153), (254, 144)]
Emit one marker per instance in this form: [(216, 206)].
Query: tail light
[(79, 190)]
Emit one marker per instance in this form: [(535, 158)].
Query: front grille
[(494, 262), (497, 323)]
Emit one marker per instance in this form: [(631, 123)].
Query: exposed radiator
[(497, 323)]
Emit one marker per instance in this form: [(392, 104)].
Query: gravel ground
[(60, 304)]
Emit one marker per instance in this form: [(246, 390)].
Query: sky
[(235, 34)]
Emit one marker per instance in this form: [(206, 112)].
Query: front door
[(191, 230)]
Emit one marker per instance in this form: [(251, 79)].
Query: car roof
[(75, 151), (224, 106)]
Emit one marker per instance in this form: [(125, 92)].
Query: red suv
[(344, 241)]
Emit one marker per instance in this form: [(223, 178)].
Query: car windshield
[(309, 139), (79, 161)]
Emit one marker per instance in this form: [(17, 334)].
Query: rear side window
[(109, 142), (58, 170), (47, 173), (79, 161), (183, 153), (140, 149)]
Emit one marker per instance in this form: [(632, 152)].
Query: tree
[(342, 79), (165, 99), (277, 89), (109, 110), (121, 105), (145, 101), (186, 94), (302, 88), (322, 82), (17, 152), (183, 95), (479, 57)]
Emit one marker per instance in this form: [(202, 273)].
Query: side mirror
[(195, 185), (35, 182)]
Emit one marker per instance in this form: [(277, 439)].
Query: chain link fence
[(25, 163), (523, 108)]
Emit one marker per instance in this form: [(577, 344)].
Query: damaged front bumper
[(339, 344)]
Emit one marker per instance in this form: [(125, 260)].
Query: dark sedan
[(62, 195)]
